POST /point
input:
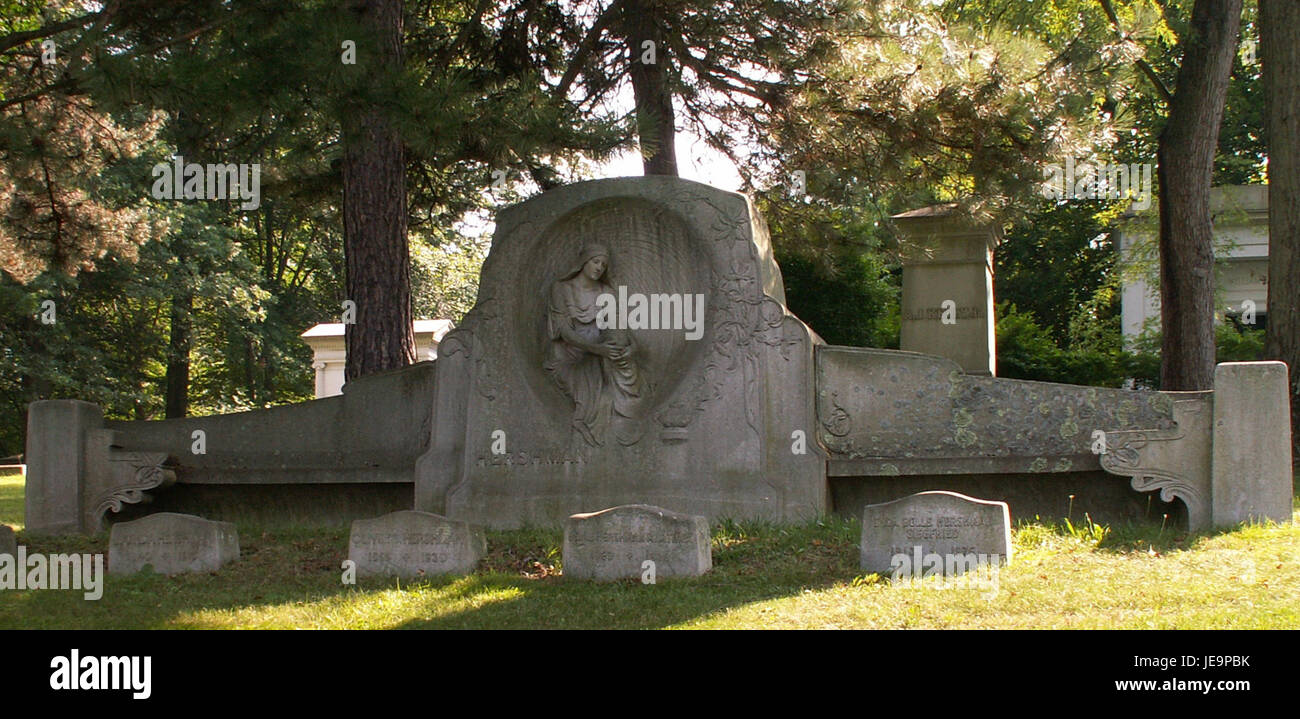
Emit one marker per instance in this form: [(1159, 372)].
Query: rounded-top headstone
[(616, 543), (171, 543), (912, 531), (412, 544)]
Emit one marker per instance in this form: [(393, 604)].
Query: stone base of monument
[(171, 544), (935, 533), (413, 544), (636, 541)]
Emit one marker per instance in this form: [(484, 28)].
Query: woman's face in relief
[(595, 267)]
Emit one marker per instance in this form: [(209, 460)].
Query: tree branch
[(15, 39), (1141, 63), (69, 82), (588, 44)]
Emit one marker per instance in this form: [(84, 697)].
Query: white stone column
[(319, 366)]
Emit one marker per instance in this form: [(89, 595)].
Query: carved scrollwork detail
[(132, 474), (1137, 455), (837, 425), (1170, 486)]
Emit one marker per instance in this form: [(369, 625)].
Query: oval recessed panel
[(651, 252)]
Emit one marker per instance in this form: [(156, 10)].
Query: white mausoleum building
[(329, 355), (1240, 214)]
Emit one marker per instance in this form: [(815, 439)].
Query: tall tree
[(374, 212), (1280, 54), (1185, 168), (723, 66), (648, 69)]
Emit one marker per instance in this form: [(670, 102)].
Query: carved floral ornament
[(1126, 456), (131, 474)]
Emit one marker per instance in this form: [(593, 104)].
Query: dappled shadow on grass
[(752, 562), (291, 577), (1136, 537), (274, 568)]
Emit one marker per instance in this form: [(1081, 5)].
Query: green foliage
[(1027, 351), (1243, 148), (1089, 532), (1238, 344), (250, 83), (851, 304), (444, 276), (837, 279), (1056, 266)]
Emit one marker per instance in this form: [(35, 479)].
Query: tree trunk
[(374, 218), (176, 390), (655, 121), (1185, 169), (177, 402), (1280, 53)]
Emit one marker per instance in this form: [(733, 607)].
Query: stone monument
[(948, 288), (630, 344)]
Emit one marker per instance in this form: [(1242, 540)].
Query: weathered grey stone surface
[(1174, 462), (57, 432), (171, 544), (1251, 465), (615, 543), (943, 523), (526, 434), (82, 468), (115, 478), (412, 544), (948, 258), (883, 412), (8, 542)]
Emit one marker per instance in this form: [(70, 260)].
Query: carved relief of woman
[(594, 367)]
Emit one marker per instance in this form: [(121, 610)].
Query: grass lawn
[(764, 576)]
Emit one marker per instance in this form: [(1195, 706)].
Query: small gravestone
[(8, 544), (616, 544), (410, 544), (171, 544), (935, 533)]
